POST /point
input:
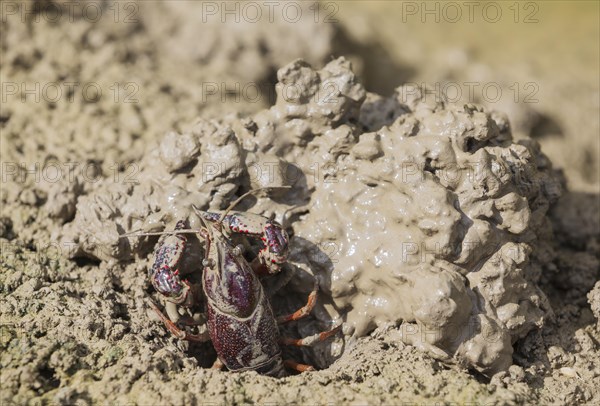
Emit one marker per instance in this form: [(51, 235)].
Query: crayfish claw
[(176, 331)]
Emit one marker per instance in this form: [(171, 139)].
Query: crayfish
[(239, 317)]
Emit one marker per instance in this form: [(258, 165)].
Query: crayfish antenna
[(198, 211), (204, 230), (139, 234), (242, 197)]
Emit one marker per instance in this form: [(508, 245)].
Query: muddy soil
[(106, 90)]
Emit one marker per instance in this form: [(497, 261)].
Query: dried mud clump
[(418, 216), (594, 299)]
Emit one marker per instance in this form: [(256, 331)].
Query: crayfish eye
[(208, 263), (238, 250)]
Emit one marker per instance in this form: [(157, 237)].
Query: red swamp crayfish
[(239, 317)]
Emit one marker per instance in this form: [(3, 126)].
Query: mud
[(431, 226)]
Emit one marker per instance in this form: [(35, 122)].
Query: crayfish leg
[(176, 331), (310, 340), (304, 310), (218, 364), (294, 366)]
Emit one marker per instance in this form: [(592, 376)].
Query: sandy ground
[(77, 332)]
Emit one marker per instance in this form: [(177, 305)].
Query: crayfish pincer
[(239, 316)]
